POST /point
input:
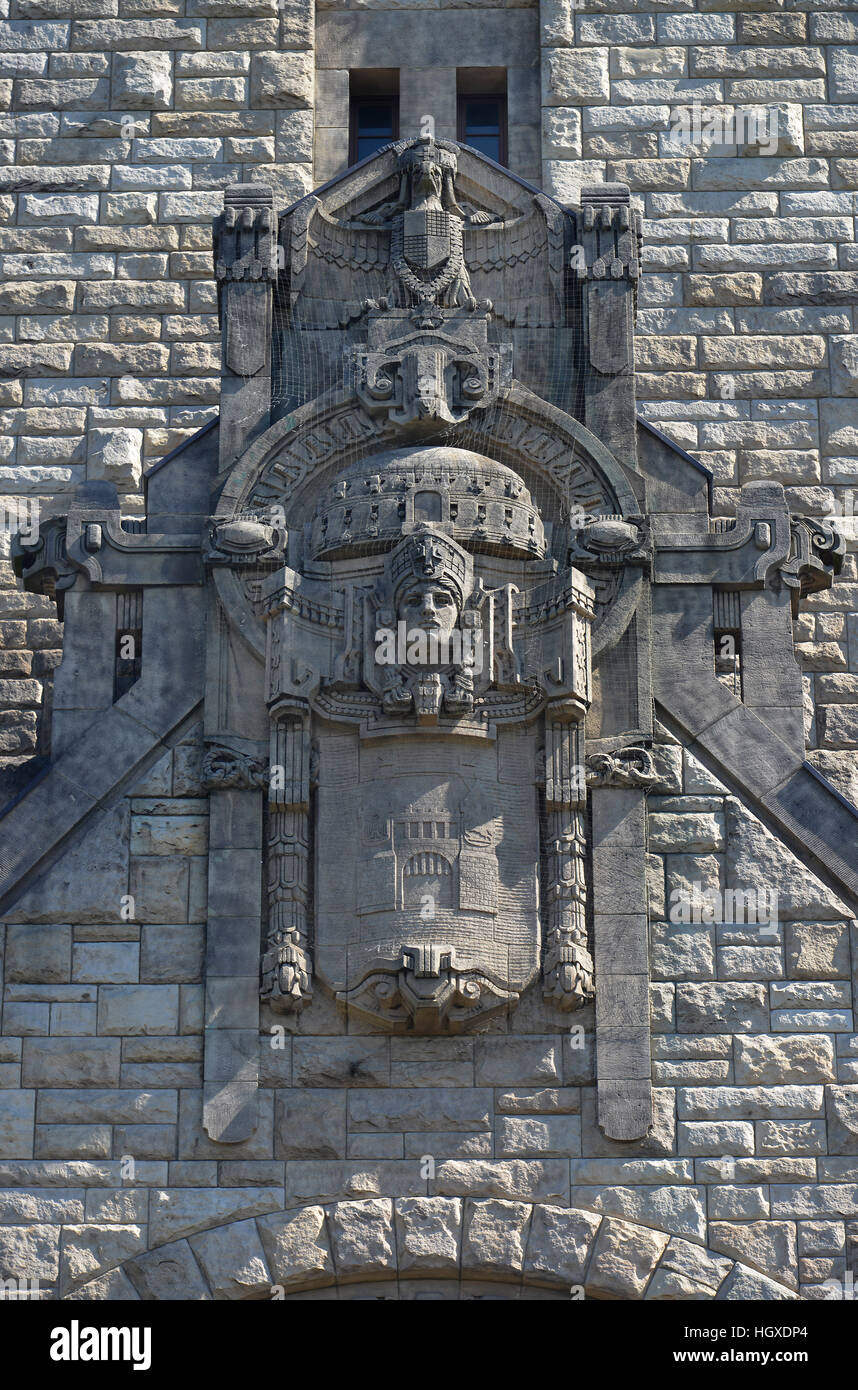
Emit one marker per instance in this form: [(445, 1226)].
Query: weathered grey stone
[(535, 1180), (30, 1252), (281, 79), (768, 1246), (559, 1244), (184, 1211), (545, 1136), (428, 1234), (750, 1102), (755, 856), (352, 1061), (517, 1062), (296, 1247), (71, 1062), (114, 1287), (91, 1250), (17, 1110), (841, 1107), (679, 1210), (418, 1109), (624, 1260), (818, 950), (688, 1273), (38, 954), (494, 1237), (310, 1124), (714, 1008), (362, 1238), (134, 1009), (784, 1059), (142, 81)]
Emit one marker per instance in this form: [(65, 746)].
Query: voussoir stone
[(428, 1233), (560, 1243), (233, 1260), (362, 1239), (768, 1246), (169, 1273), (624, 1259), (495, 1236), (688, 1272), (297, 1247)]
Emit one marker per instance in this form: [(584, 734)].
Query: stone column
[(621, 939), (568, 965), (286, 965), (231, 1066), (246, 268), (609, 268)]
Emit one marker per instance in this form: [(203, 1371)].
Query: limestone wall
[(754, 1151), (124, 119)]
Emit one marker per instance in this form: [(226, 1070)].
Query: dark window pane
[(483, 126), (374, 124)]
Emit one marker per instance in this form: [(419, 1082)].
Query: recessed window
[(374, 111), (482, 111)]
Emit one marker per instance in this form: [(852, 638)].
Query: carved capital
[(627, 767), (431, 384), (43, 563), (816, 555), (610, 234), (244, 234), (226, 768)]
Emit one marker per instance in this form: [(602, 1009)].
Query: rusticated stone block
[(142, 81), (722, 1008), (768, 1246), (38, 954), (89, 1250), (30, 1252), (169, 1273), (841, 1109), (784, 1059), (494, 1237), (428, 1234), (362, 1239), (624, 1260), (559, 1244), (281, 79), (818, 950), (688, 1273), (232, 1260), (297, 1248)]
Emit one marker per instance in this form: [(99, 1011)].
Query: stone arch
[(539, 441), (436, 1247), (535, 438)]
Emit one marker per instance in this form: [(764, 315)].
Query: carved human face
[(429, 606)]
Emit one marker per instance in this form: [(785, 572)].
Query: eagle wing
[(519, 265), (335, 266)]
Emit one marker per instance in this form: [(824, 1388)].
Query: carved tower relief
[(418, 552)]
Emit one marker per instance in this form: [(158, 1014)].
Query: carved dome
[(482, 504)]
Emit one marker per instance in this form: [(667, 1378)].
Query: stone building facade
[(338, 977)]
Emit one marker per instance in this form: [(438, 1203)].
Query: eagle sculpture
[(426, 249)]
